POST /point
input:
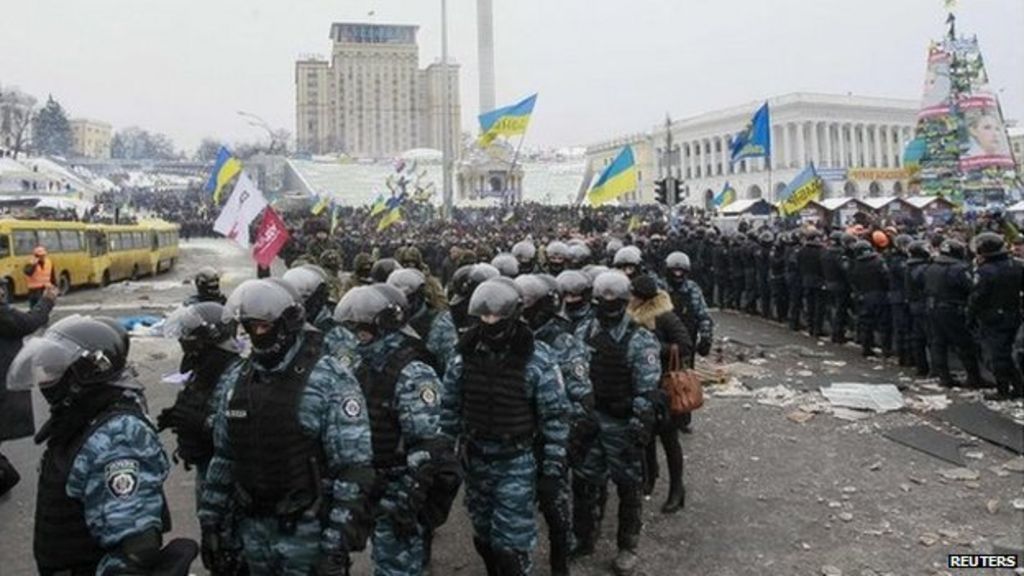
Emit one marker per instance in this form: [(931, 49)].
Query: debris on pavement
[(875, 397), (929, 441), (959, 474)]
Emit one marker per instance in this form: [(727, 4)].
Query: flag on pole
[(634, 223), (726, 196), (270, 238), (243, 206), (508, 121), (224, 169), (393, 214), (807, 186), (335, 216), (322, 203), (617, 179), (379, 206), (755, 140)]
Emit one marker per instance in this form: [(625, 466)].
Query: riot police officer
[(502, 394), (625, 368), (899, 313), (311, 284), (541, 311), (947, 285), (835, 269), (556, 257), (870, 281), (292, 455), (435, 327), (464, 282), (630, 261), (100, 507), (917, 306), (688, 302), (812, 281), (207, 283), (382, 269), (526, 254), (208, 349), (995, 306), (506, 264), (403, 397)]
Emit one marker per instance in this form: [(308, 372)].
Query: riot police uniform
[(870, 281), (435, 327), (207, 283), (100, 507), (403, 397), (835, 269), (311, 282), (292, 451), (947, 285), (502, 395), (995, 305), (917, 305), (574, 289), (625, 368)]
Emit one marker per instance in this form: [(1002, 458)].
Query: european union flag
[(756, 139)]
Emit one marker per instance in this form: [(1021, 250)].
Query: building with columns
[(855, 142), (600, 155)]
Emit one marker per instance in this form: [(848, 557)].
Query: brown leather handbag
[(682, 386)]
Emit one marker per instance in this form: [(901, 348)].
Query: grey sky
[(602, 67)]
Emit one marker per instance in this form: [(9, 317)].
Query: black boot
[(512, 562), (559, 557), (488, 556), (428, 549), (630, 516), (9, 477), (676, 500)]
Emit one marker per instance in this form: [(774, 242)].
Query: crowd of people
[(509, 353)]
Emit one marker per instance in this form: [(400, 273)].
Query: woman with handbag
[(652, 308)]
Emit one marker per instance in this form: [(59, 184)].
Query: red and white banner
[(243, 206), (270, 238)]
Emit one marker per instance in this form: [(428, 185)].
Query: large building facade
[(91, 139), (856, 143), (371, 99)]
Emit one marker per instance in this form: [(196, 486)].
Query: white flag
[(244, 205)]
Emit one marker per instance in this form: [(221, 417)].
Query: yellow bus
[(86, 254), (64, 241)]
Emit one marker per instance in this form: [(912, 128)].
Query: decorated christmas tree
[(961, 149)]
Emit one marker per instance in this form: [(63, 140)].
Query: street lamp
[(258, 122), (446, 106)]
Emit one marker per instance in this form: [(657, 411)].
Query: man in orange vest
[(40, 273)]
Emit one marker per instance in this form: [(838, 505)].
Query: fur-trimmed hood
[(644, 312)]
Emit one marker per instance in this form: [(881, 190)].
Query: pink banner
[(271, 237)]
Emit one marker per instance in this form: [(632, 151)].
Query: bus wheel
[(106, 278), (64, 284), (135, 273)]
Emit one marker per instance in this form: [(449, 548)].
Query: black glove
[(332, 564), (704, 346), (219, 560), (404, 521), (582, 432), (547, 488), (168, 418)]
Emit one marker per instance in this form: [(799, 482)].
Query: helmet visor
[(181, 323), (42, 361)]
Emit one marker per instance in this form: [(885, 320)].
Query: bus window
[(5, 245), (114, 240), (24, 242), (70, 241), (140, 241), (97, 244), (154, 243), (49, 239)]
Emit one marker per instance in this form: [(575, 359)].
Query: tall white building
[(434, 119), (371, 99), (855, 142)]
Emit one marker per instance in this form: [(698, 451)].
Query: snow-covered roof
[(740, 206), (1018, 207), (924, 201), (880, 202), (833, 204)]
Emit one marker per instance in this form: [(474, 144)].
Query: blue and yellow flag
[(618, 178), (335, 217), (322, 203), (224, 169), (726, 196), (393, 214), (756, 139), (508, 121), (807, 186), (379, 206)]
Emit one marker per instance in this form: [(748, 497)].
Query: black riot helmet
[(371, 312), (465, 283), (382, 269), (201, 329), (73, 355), (540, 299), (413, 284), (611, 293), (311, 284), (863, 248), (989, 244), (919, 249), (507, 264), (207, 281), (497, 304), (271, 312), (953, 249)]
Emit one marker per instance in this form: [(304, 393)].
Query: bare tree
[(17, 111)]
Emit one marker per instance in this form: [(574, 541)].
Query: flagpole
[(515, 159), (445, 134)]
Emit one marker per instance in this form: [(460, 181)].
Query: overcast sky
[(602, 67)]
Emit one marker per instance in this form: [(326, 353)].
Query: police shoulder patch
[(351, 407), (122, 478), (428, 395), (652, 358), (580, 370)]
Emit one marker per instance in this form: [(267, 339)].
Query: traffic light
[(677, 193), (661, 191)]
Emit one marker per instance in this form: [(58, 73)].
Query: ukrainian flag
[(618, 178), (726, 196), (226, 168), (393, 214), (335, 215), (321, 205), (379, 206), (508, 121)]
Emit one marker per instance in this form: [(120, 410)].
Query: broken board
[(976, 419), (930, 441)]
